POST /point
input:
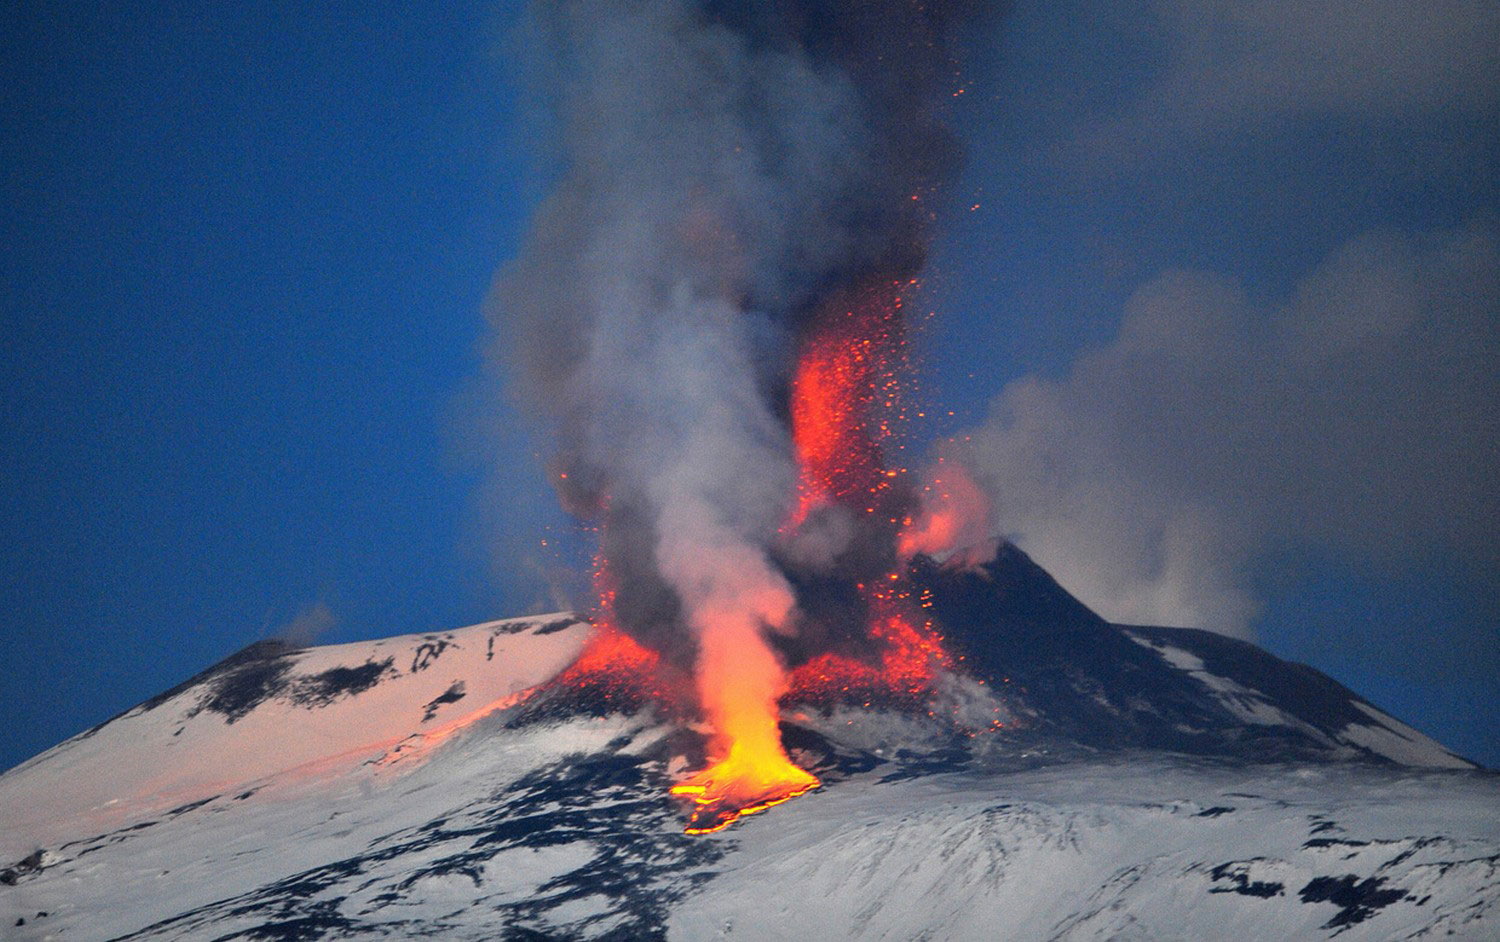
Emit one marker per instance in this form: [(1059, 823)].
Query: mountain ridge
[(1144, 783)]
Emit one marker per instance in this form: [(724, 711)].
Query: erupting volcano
[(846, 403), (773, 584), (712, 311)]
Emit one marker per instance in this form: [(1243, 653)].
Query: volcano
[(1069, 778)]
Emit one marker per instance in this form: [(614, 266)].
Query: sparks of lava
[(848, 409), (846, 401), (912, 654)]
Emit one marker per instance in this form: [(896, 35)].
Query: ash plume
[(726, 170), (1357, 416)]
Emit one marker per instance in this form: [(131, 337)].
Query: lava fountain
[(846, 404)]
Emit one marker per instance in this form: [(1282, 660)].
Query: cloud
[(1360, 416)]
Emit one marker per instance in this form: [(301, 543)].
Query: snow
[(1148, 850), (1244, 703), (151, 760), (1397, 741), (1139, 846), (386, 812), (1385, 736)]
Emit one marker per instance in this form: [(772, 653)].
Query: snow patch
[(1399, 742), (1244, 703)]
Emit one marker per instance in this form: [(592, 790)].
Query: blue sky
[(248, 254)]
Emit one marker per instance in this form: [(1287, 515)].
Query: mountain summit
[(1074, 678), (1072, 779)]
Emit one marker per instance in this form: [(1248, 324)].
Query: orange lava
[(911, 656), (753, 777), (755, 774), (613, 659)]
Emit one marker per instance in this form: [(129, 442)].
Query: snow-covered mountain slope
[(275, 711), (563, 830), (1067, 675), (1138, 848), (1149, 783)]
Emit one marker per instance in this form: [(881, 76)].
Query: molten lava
[(845, 408), (754, 776)]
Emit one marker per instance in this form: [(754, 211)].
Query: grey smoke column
[(727, 166)]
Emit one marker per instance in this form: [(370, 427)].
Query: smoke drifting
[(310, 623), (727, 169), (1359, 416)]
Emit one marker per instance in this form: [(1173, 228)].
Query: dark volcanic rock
[(1072, 677)]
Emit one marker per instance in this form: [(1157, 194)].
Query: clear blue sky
[(246, 256)]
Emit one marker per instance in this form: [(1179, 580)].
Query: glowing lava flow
[(740, 679), (616, 671), (739, 785), (845, 405), (755, 775)]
